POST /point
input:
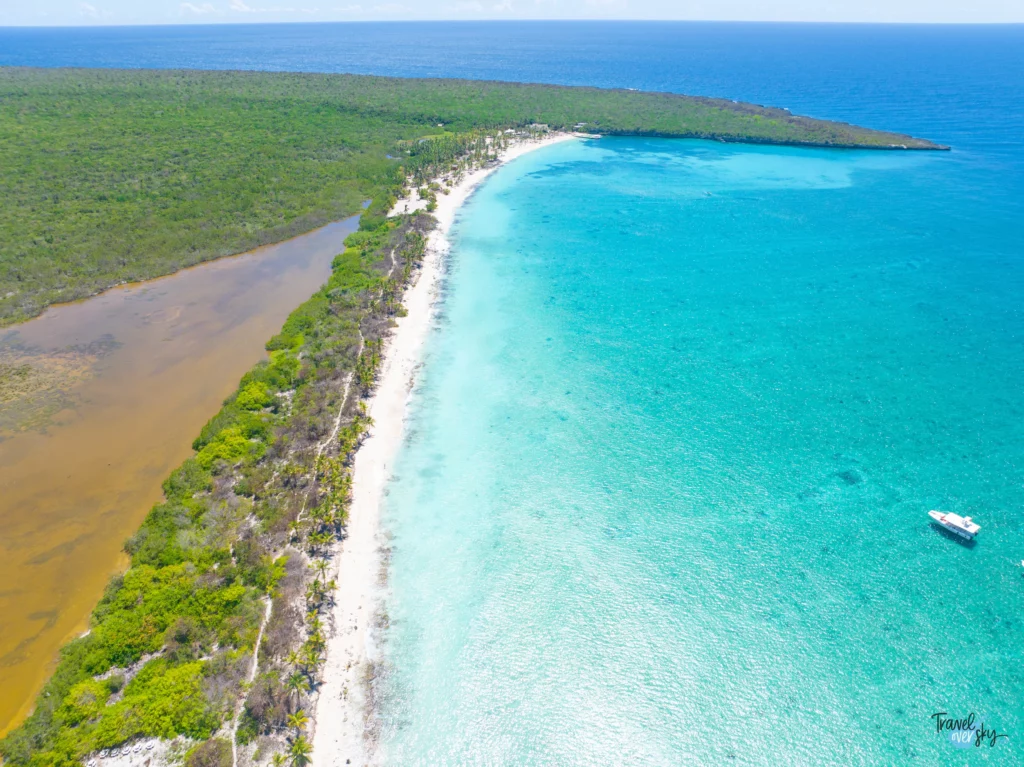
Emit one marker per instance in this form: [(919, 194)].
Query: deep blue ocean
[(663, 498)]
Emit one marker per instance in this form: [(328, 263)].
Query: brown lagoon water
[(111, 393)]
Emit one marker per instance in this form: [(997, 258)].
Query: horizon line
[(253, 23)]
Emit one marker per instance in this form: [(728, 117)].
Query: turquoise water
[(663, 500)]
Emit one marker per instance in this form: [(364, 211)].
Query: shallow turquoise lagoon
[(664, 495)]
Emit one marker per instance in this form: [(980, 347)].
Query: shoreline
[(145, 282), (341, 719)]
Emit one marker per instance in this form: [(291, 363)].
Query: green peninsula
[(114, 176)]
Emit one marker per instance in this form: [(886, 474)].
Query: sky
[(109, 12)]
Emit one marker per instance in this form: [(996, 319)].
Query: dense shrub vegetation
[(242, 541), (112, 176)]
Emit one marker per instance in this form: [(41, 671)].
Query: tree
[(300, 752), (216, 752), (311, 656), (319, 541), (321, 568), (316, 643), (315, 592), (298, 721), (296, 684)]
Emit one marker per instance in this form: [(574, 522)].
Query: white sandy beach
[(340, 716)]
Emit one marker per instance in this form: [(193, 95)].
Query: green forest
[(115, 176)]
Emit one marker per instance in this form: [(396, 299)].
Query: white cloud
[(239, 6), (90, 11), (199, 10)]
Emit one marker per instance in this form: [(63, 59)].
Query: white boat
[(962, 526)]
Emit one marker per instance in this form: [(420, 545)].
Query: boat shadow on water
[(951, 536)]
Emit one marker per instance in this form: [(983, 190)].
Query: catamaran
[(962, 526)]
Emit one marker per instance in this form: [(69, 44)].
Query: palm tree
[(319, 541), (300, 752), (296, 684), (314, 592), (316, 639), (311, 657), (298, 721), (278, 760)]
